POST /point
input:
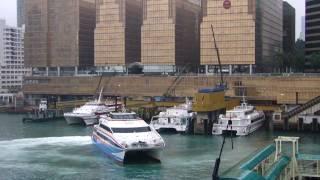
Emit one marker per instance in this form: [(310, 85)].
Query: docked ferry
[(90, 112), (176, 118), (121, 135), (245, 120)]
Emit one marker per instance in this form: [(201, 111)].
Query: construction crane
[(170, 91), (215, 174), (222, 84)]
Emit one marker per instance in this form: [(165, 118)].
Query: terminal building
[(170, 35), (248, 33), (12, 70), (118, 34), (59, 35), (312, 26)]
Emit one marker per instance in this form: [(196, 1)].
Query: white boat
[(121, 135), (89, 113), (176, 118), (245, 120)]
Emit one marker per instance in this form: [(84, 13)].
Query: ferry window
[(105, 128), (124, 116), (131, 130)]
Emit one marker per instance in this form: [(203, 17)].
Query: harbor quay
[(275, 95)]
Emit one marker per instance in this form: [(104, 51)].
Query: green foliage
[(314, 61), (294, 60)]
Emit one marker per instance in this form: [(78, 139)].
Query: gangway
[(277, 162), (309, 166), (313, 106)]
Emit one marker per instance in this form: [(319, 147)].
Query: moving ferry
[(245, 120), (121, 135)]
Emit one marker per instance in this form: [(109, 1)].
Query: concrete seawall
[(277, 89)]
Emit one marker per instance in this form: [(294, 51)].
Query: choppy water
[(55, 150)]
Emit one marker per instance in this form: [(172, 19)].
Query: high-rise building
[(289, 27), (312, 26), (20, 12), (303, 28), (248, 33), (12, 68), (170, 35), (118, 33), (59, 34)]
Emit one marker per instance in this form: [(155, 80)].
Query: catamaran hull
[(81, 119), (120, 154), (179, 129), (111, 151), (72, 120), (219, 129), (89, 121)]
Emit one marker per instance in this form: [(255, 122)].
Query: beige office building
[(248, 33), (59, 33), (118, 32), (170, 34)]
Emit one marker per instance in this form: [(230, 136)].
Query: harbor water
[(54, 150)]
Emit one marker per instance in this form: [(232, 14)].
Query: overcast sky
[(8, 11)]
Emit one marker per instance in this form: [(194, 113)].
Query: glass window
[(131, 130)]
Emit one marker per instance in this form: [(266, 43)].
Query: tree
[(298, 56), (314, 61)]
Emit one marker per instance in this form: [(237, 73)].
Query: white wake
[(56, 141)]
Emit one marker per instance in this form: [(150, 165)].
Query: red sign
[(227, 4)]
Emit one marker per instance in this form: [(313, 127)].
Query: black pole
[(215, 174), (218, 54)]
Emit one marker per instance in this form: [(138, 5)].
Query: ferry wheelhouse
[(245, 120)]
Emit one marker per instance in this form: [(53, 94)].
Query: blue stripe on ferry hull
[(110, 150)]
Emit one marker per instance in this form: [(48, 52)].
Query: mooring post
[(314, 125)]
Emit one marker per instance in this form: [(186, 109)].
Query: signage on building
[(227, 4)]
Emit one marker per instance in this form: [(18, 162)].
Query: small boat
[(89, 113), (177, 118), (241, 121), (121, 135), (43, 114)]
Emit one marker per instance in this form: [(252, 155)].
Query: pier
[(275, 162), (267, 92)]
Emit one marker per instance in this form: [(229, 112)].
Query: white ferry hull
[(219, 129), (179, 129), (91, 120), (119, 154), (73, 119)]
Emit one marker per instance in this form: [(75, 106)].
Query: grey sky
[(8, 11)]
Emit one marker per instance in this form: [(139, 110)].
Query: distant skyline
[(8, 11)]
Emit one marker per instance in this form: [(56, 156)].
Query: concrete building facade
[(59, 34), (20, 13), (12, 69), (312, 26), (303, 28), (248, 33), (118, 33), (289, 27), (170, 35)]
